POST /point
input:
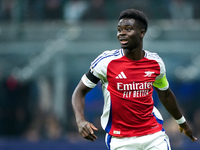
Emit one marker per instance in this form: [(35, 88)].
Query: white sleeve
[(161, 80)]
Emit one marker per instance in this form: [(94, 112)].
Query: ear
[(142, 33)]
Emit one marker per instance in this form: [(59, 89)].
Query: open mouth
[(123, 41)]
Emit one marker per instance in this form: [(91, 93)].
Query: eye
[(128, 29), (119, 30)]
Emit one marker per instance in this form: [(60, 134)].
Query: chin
[(125, 47)]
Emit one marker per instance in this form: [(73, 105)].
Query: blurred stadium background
[(46, 46)]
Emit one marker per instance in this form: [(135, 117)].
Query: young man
[(128, 75)]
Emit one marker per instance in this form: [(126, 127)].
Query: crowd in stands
[(77, 10)]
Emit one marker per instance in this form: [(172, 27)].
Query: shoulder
[(155, 57), (152, 55), (107, 56)]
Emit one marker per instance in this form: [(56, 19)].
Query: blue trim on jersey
[(108, 127), (116, 52), (167, 144), (152, 55), (159, 121), (108, 141), (122, 53), (145, 54), (104, 55), (99, 59)]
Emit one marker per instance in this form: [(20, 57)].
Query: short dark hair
[(139, 16)]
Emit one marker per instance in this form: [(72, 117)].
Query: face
[(129, 34)]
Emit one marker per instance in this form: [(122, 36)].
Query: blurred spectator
[(6, 9), (52, 127), (121, 5), (44, 125), (13, 10), (53, 10), (35, 10), (74, 10), (159, 11), (196, 9), (14, 113), (96, 11), (180, 10)]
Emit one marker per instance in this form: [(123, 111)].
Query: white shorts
[(156, 141)]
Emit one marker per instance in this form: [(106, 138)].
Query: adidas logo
[(121, 76)]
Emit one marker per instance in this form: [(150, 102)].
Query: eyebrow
[(124, 25)]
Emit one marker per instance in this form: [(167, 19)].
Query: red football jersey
[(127, 87)]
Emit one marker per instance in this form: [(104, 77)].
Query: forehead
[(126, 22)]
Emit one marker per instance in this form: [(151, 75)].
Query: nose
[(122, 32)]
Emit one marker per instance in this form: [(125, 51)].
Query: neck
[(136, 54)]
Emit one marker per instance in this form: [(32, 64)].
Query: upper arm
[(78, 100), (87, 82), (82, 88)]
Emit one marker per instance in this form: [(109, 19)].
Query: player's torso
[(130, 84), (129, 79)]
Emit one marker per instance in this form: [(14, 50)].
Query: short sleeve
[(161, 80)]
